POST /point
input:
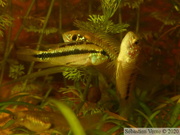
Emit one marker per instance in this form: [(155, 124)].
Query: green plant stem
[(175, 113), (84, 95), (37, 74), (146, 117), (10, 47), (71, 118), (45, 97), (166, 32), (7, 47), (90, 7), (60, 17), (138, 17), (40, 39), (22, 26), (120, 20), (45, 24)]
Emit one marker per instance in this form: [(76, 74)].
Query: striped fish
[(74, 54), (109, 44)]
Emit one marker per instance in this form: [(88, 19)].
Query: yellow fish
[(74, 54), (108, 43), (126, 70)]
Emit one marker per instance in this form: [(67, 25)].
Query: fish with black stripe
[(75, 54), (105, 41)]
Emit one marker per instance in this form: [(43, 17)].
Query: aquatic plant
[(158, 85), (5, 21), (102, 23), (16, 71)]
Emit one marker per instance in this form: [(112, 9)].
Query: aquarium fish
[(70, 37), (37, 122), (44, 121), (81, 54), (109, 44), (126, 68), (41, 121)]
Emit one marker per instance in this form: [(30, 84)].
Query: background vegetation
[(40, 94)]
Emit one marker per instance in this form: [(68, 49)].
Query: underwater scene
[(89, 67)]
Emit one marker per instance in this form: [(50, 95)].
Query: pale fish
[(126, 70)]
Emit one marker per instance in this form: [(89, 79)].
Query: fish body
[(41, 121), (106, 42), (37, 122), (76, 54), (109, 44), (126, 58), (47, 122), (126, 69)]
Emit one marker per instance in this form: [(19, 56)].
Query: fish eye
[(136, 42), (74, 37)]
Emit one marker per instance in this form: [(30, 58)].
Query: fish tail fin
[(26, 55)]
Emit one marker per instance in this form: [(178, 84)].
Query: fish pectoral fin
[(120, 71), (121, 80)]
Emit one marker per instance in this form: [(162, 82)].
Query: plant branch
[(40, 38)]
